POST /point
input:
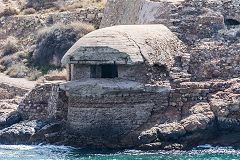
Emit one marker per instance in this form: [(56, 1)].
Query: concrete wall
[(136, 73), (112, 116), (80, 72), (57, 104)]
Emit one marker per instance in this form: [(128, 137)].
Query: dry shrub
[(34, 75), (9, 11), (17, 71), (10, 60), (41, 4), (53, 42), (20, 70), (29, 11), (81, 29), (10, 46), (55, 75), (71, 7)]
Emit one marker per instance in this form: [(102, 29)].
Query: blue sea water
[(49, 152)]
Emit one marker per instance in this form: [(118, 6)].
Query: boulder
[(28, 132), (171, 130)]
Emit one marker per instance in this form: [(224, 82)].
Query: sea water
[(49, 152)]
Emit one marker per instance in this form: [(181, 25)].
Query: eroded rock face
[(226, 106), (190, 20), (205, 91)]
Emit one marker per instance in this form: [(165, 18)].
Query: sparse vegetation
[(81, 29), (70, 7), (33, 62), (9, 11), (10, 46), (29, 11), (54, 75), (19, 65), (52, 43), (34, 74), (47, 6), (18, 70), (41, 4)]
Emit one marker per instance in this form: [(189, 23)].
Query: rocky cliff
[(204, 102)]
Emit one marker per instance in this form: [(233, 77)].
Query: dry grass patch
[(40, 4), (17, 71), (71, 7), (56, 75), (10, 46), (29, 11), (9, 11)]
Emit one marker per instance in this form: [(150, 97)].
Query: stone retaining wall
[(45, 101), (57, 104), (35, 103), (9, 91)]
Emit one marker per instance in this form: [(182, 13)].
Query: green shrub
[(45, 69), (53, 42)]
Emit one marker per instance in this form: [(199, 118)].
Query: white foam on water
[(17, 147), (205, 146)]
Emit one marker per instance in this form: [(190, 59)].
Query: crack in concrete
[(139, 48)]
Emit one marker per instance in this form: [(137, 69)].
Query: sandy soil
[(18, 82)]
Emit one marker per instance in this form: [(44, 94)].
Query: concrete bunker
[(111, 91)]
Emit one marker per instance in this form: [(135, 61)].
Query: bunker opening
[(231, 22), (104, 71)]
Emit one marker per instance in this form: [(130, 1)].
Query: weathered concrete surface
[(124, 45), (137, 12), (108, 109), (109, 87)]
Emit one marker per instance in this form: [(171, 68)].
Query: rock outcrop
[(204, 101)]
